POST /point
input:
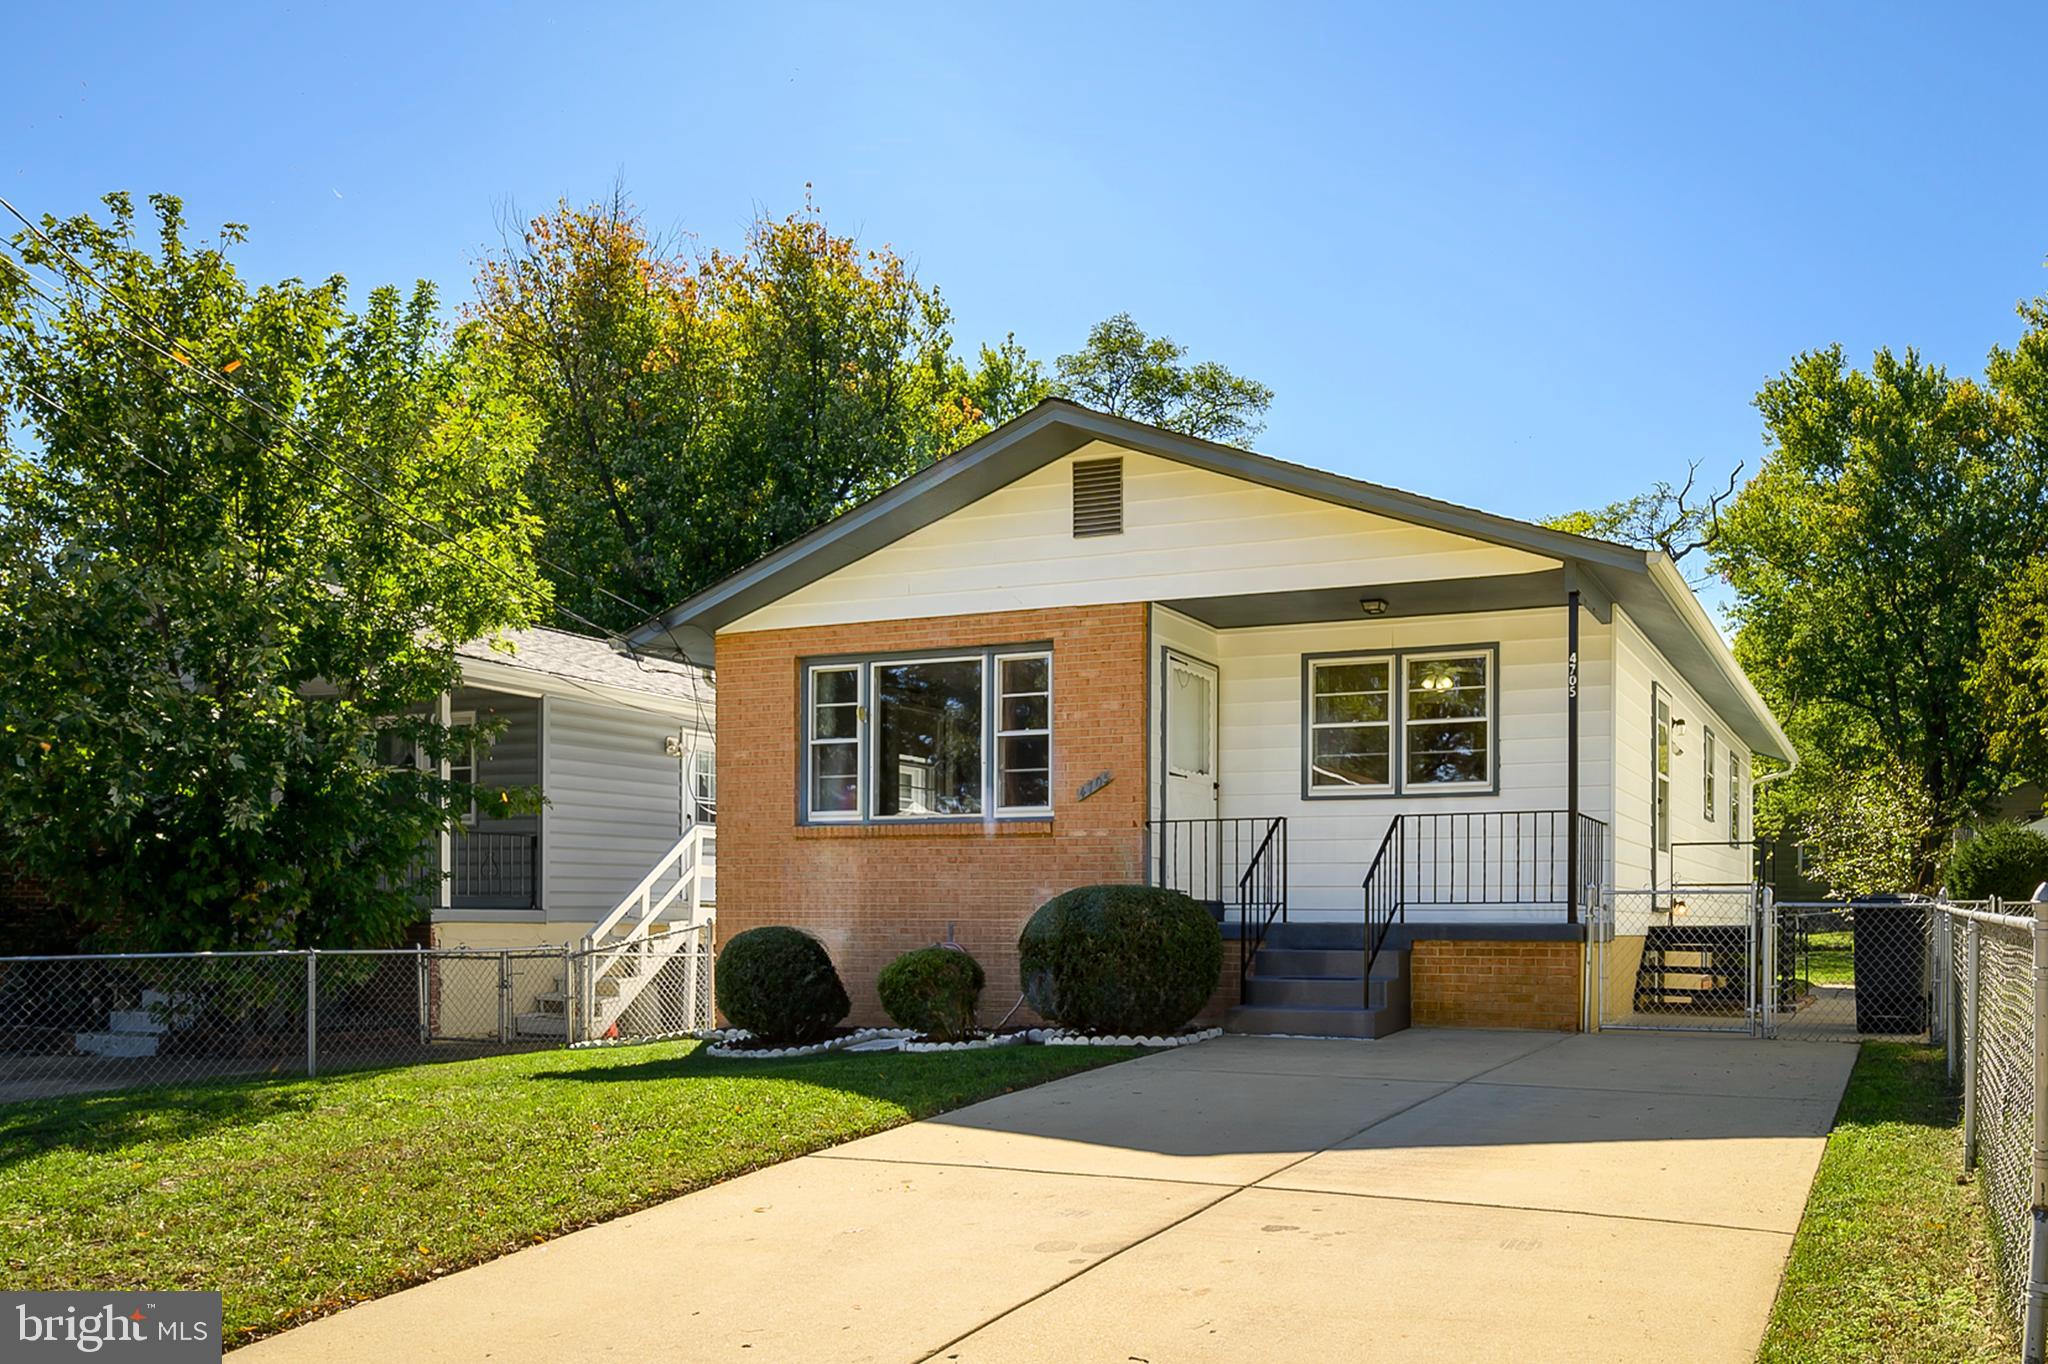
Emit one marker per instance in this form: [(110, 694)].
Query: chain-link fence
[(643, 989), (76, 1024), (1854, 969), (1685, 959), (1991, 993)]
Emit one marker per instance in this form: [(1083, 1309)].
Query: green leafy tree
[(225, 606), (2009, 679), (699, 410), (1893, 504), (1667, 518), (1127, 373)]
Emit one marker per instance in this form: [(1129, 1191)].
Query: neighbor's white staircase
[(627, 949)]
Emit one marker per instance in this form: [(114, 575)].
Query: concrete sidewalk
[(1436, 1195)]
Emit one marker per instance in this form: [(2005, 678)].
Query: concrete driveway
[(1435, 1195)]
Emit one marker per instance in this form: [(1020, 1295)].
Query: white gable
[(1188, 532)]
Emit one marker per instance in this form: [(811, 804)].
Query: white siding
[(1639, 665), (615, 804), (1187, 533), (1332, 841)]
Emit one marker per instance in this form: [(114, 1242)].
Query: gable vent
[(1098, 497)]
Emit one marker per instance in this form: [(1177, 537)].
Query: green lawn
[(1893, 1257), (294, 1198), (1831, 958)]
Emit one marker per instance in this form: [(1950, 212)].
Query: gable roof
[(1644, 582)]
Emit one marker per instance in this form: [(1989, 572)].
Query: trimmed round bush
[(778, 984), (934, 990), (1120, 959), (1999, 859)]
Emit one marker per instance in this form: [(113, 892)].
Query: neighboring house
[(620, 748), (1086, 650)]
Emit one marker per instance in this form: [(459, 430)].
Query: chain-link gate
[(1733, 959), (1849, 970), (644, 988), (1684, 959)]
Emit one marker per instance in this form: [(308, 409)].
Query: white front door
[(1185, 856)]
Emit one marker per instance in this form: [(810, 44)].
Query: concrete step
[(1343, 937), (137, 1020), (115, 1043), (1320, 992), (1314, 1022)]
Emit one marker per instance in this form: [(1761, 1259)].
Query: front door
[(1186, 853)]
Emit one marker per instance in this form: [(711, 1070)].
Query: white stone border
[(1001, 1039), (719, 1047), (1061, 1037)]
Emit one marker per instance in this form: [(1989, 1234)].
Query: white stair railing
[(628, 958)]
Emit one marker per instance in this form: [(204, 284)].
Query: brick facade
[(1496, 984), (872, 892)]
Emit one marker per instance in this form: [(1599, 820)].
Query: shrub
[(1999, 859), (1120, 959), (778, 984), (934, 990)]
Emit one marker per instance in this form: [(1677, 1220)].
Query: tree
[(1894, 502), (2009, 679), (241, 531), (1126, 373), (698, 411), (1664, 518)]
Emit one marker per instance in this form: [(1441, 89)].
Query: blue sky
[(1525, 262)]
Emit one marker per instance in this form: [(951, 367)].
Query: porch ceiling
[(1438, 597)]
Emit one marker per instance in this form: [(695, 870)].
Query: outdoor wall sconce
[(1373, 606)]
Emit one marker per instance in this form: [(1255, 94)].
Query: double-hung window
[(1710, 758), (1416, 722), (1734, 797), (1447, 720), (1351, 724), (956, 736)]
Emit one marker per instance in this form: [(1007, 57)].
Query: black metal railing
[(1523, 858), (489, 870), (1228, 864)]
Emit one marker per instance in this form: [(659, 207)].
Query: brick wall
[(872, 892), (1496, 984)]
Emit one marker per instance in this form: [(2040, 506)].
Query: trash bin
[(1891, 965)]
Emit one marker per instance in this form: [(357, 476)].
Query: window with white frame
[(1400, 722), (832, 783), (1024, 732), (1734, 797), (1447, 720), (1661, 738), (941, 737), (704, 785), (1351, 724), (1710, 758), (462, 760)]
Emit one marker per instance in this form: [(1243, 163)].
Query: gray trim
[(1541, 590), (1053, 429), (1397, 699), (863, 666), (1643, 582)]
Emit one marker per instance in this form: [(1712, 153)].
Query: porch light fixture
[(1373, 606)]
